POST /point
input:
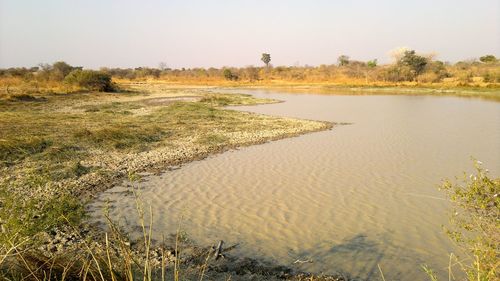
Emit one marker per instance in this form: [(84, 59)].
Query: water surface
[(348, 199)]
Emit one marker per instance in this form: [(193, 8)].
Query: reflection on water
[(349, 199)]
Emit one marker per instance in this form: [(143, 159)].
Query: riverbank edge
[(163, 165)]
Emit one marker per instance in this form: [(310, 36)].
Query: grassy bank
[(58, 150)]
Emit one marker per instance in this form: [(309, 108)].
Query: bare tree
[(162, 65)]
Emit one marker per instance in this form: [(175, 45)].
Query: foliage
[(229, 75), (475, 221), (343, 60), (488, 59), (60, 69), (372, 63), (266, 58), (415, 63), (90, 79)]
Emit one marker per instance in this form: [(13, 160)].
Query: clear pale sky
[(204, 33)]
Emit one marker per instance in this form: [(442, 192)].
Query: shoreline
[(164, 160)]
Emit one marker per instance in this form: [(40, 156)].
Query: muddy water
[(349, 199)]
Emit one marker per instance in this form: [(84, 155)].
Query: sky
[(216, 33)]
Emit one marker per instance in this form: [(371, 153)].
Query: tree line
[(64, 73), (408, 66)]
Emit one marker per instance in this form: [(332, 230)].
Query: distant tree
[(343, 60), (488, 59), (415, 63), (62, 67), (438, 68), (229, 75), (372, 63), (163, 66), (44, 66), (266, 58)]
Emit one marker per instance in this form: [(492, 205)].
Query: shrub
[(60, 70), (414, 62), (90, 79), (229, 75), (488, 59), (475, 221), (372, 63)]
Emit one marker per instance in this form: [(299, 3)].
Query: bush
[(415, 63), (475, 221), (90, 79), (61, 69), (229, 75), (488, 59)]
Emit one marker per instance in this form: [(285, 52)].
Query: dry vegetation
[(474, 225), (410, 73), (409, 70)]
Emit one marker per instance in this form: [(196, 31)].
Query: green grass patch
[(27, 216)]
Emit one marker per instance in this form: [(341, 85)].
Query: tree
[(488, 59), (415, 63), (266, 58), (163, 66), (343, 60), (228, 74), (62, 68)]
